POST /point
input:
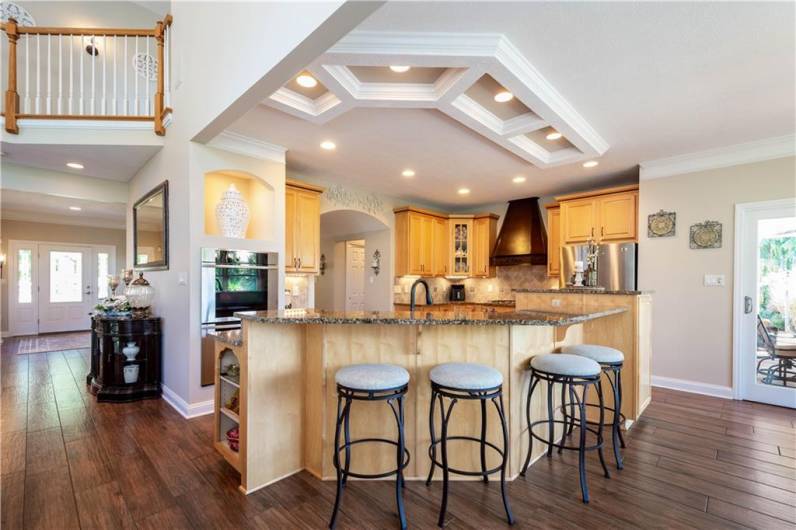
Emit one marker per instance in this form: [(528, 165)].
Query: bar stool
[(571, 371), (467, 381), (370, 382), (611, 361)]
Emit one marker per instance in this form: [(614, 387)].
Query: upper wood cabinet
[(484, 233), (602, 215), (302, 227), (553, 241), (435, 244)]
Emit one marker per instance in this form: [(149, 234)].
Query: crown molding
[(733, 155), (247, 146), (414, 43)]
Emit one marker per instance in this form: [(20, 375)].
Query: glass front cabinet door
[(461, 243)]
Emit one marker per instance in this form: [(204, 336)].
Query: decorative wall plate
[(705, 235), (661, 224)]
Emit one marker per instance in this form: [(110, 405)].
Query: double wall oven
[(233, 280)]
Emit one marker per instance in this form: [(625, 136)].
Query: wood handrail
[(11, 97)]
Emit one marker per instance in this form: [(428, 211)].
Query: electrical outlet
[(396, 289), (714, 280), (556, 302)]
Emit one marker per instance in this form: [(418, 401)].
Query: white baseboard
[(186, 410), (693, 387)]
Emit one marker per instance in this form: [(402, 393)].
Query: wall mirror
[(151, 230)]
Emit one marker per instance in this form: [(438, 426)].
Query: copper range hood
[(522, 238)]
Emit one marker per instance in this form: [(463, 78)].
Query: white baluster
[(125, 67), (27, 74), (60, 73), (167, 67), (48, 101), (38, 74), (71, 74), (135, 74), (115, 94), (93, 43), (147, 110), (104, 108), (82, 76)]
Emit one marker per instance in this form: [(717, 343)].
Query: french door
[(53, 286), (765, 302)]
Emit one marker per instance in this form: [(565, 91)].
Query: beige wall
[(57, 233), (692, 326)]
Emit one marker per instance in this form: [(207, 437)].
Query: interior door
[(766, 302), (65, 288), (355, 276)]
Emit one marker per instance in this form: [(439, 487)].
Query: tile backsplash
[(481, 289)]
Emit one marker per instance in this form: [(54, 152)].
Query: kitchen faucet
[(412, 294)]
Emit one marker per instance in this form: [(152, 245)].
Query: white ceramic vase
[(130, 351), (232, 213), (131, 373)]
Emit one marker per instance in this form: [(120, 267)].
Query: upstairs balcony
[(75, 75)]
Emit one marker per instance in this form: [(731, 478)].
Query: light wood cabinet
[(484, 233), (302, 227), (602, 215), (553, 241), (431, 243)]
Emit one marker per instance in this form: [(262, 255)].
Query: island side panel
[(274, 403), (644, 353), (487, 345), (315, 434), (347, 344)]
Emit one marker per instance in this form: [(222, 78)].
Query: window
[(25, 276), (66, 276), (102, 274)]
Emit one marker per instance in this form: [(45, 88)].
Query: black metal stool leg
[(341, 412), (399, 498), (501, 413), (551, 430), (571, 409), (565, 430), (483, 440), (601, 424), (615, 428), (445, 473), (433, 436), (347, 433), (584, 487), (619, 405), (531, 386)]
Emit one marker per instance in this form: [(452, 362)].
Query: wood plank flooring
[(69, 462)]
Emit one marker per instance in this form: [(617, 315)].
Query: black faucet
[(412, 294)]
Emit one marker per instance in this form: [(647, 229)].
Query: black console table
[(116, 376)]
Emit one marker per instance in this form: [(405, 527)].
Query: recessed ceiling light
[(75, 208), (399, 69), (464, 191), (518, 180), (328, 145), (590, 163), (306, 80), (504, 96), (408, 173), (555, 135), (74, 165)]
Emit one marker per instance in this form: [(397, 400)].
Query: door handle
[(747, 304)]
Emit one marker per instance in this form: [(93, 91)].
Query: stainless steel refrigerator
[(617, 265)]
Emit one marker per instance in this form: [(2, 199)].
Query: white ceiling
[(114, 162), (43, 208), (653, 79)]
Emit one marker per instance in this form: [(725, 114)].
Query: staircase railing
[(87, 74)]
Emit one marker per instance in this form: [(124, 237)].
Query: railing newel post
[(160, 130), (11, 104)]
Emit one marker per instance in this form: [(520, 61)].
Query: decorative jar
[(139, 295), (232, 214)]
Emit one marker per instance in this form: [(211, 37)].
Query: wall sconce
[(322, 265), (92, 48), (375, 263)]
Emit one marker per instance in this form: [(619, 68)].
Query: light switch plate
[(182, 279), (714, 280)]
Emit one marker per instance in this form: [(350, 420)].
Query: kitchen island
[(287, 394)]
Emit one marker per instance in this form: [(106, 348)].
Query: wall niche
[(258, 195)]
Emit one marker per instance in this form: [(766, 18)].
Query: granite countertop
[(451, 318), (491, 303), (581, 290), (233, 337)]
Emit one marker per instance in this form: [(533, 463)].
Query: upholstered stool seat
[(466, 376), (372, 376), (565, 364), (600, 354)]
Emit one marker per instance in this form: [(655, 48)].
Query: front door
[(766, 302), (66, 296)]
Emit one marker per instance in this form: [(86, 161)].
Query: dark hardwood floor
[(68, 462)]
